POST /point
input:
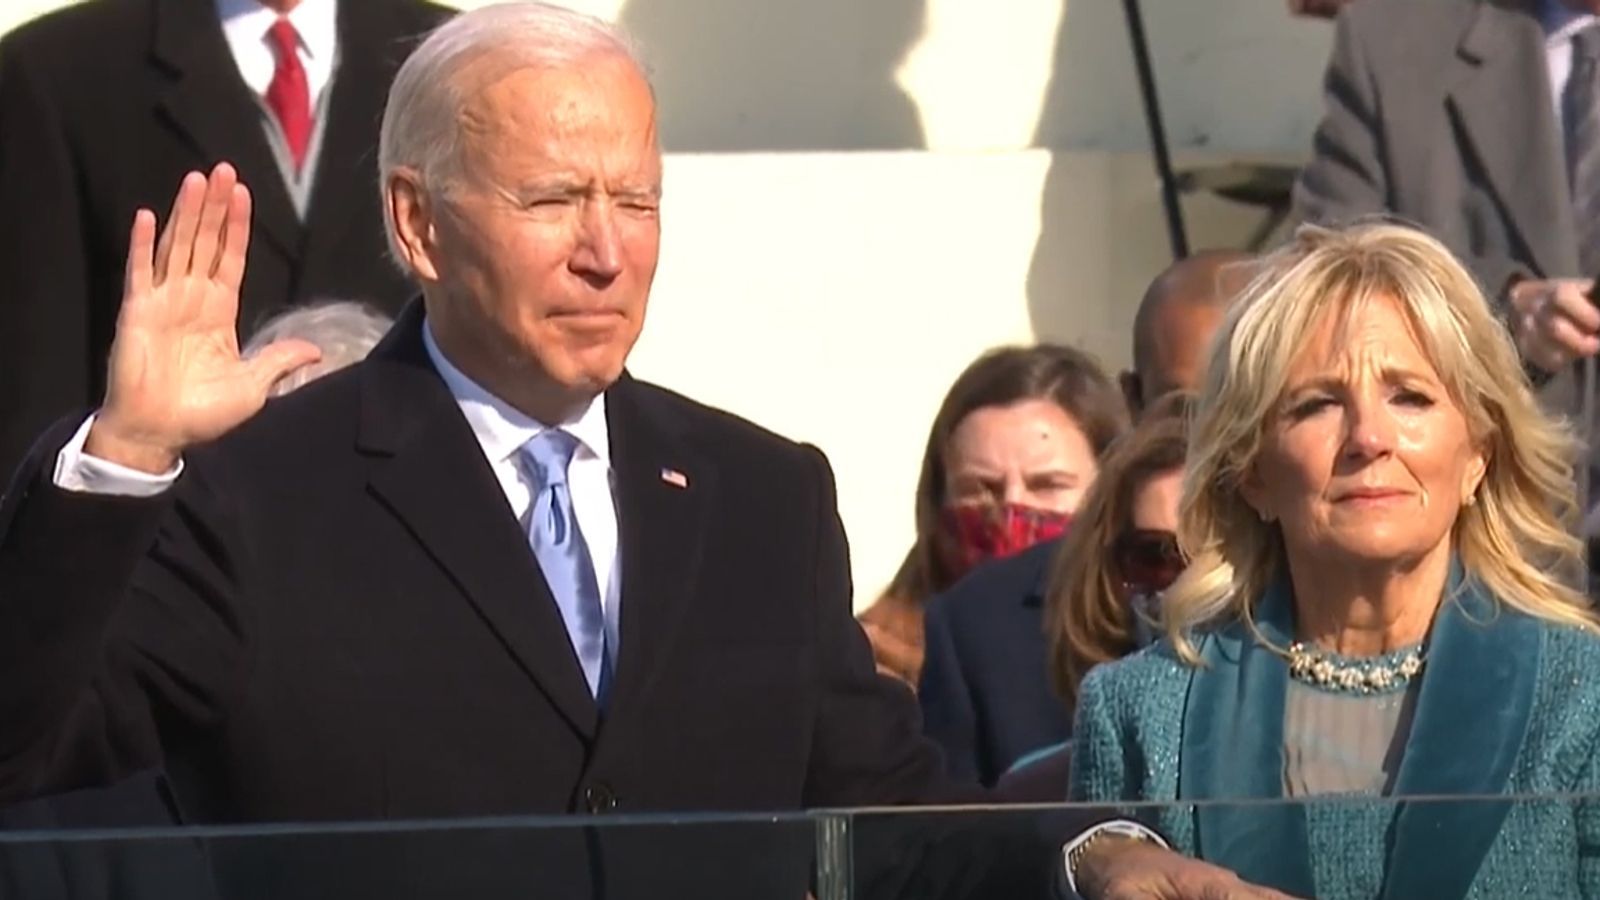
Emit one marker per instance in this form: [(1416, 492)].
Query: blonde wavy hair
[(1514, 540)]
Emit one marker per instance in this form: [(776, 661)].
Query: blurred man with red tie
[(103, 107)]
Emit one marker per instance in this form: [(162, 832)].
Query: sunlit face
[(544, 249), (1366, 457), (1032, 453), (1155, 503)]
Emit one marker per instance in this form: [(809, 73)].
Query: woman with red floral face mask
[(987, 693), (1012, 450)]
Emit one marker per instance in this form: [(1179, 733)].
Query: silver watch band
[(1073, 851)]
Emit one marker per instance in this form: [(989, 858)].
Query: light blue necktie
[(563, 555)]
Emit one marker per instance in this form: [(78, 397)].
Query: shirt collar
[(502, 429), (316, 21), (1561, 21)]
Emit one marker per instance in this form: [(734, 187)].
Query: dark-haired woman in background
[(989, 695), (1012, 450)]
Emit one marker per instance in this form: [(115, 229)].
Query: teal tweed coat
[(1509, 706)]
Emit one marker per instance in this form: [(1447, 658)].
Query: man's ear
[(411, 211)]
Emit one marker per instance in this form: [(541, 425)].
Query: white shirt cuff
[(1119, 827), (80, 472)]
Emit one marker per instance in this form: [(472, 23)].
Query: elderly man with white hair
[(482, 572)]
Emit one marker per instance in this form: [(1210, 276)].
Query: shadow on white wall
[(737, 75)]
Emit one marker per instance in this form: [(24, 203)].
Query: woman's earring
[(1472, 499)]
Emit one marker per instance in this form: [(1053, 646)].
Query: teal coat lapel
[(1473, 709), (1232, 751), (1472, 714)]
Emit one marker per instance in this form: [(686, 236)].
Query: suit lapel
[(1501, 104), (371, 44), (664, 490), (1477, 691), (1232, 753), (429, 471), (208, 103)]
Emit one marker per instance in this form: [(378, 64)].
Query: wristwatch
[(1072, 854)]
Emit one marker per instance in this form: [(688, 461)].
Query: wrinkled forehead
[(1354, 331), (601, 97)]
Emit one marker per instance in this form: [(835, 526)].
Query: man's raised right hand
[(175, 378)]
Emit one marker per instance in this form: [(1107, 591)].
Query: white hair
[(421, 122), (344, 330)]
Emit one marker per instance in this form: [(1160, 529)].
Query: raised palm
[(175, 377)]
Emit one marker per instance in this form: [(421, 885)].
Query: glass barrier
[(522, 857), (1416, 848), (1544, 846)]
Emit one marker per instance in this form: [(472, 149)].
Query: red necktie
[(289, 96)]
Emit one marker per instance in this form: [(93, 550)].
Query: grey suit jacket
[(1439, 112)]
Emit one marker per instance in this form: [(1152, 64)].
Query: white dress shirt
[(501, 432), (1560, 23), (245, 24), (78, 471)]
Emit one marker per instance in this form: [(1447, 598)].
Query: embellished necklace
[(1374, 675)]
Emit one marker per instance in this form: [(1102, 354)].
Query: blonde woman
[(1376, 604)]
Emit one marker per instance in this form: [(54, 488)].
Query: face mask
[(973, 534)]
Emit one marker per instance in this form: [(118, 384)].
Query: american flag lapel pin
[(675, 478)]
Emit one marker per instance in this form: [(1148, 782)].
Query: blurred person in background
[(1375, 603), (1012, 450), (985, 692), (1105, 592), (986, 689), (345, 331), (1176, 318), (105, 104), (1104, 597)]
